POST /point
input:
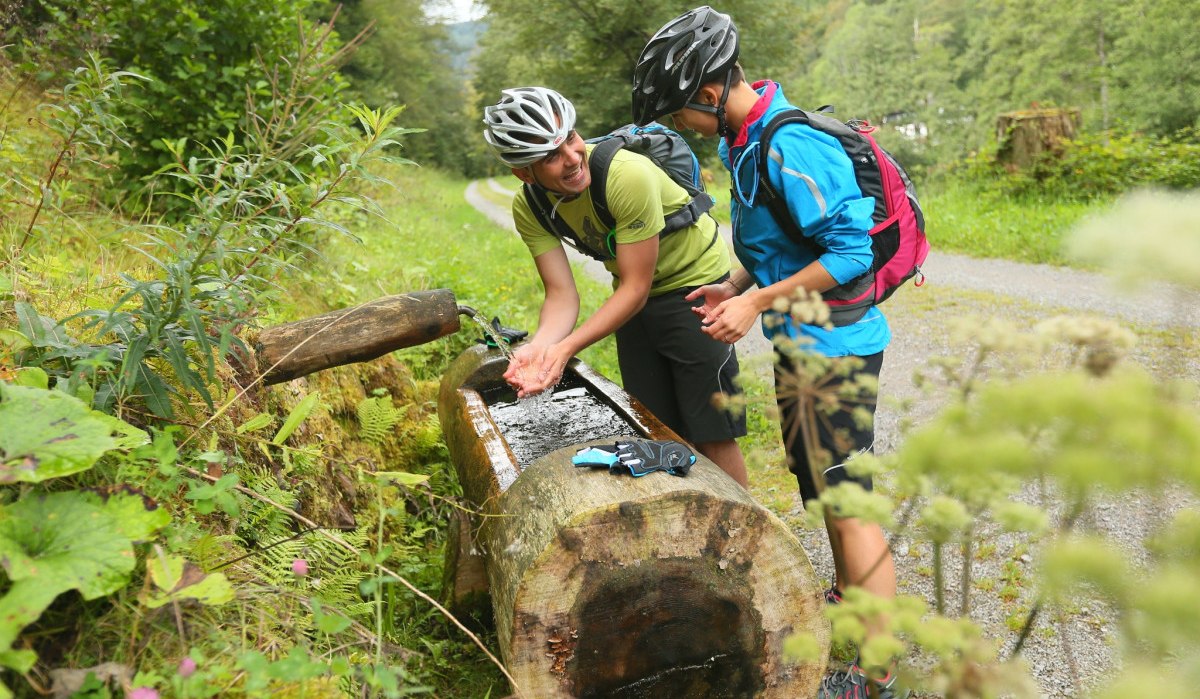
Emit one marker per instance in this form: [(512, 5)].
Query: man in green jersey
[(666, 361)]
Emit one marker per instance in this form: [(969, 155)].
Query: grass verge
[(973, 218)]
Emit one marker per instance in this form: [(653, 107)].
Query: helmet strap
[(718, 110)]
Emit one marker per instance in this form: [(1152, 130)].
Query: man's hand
[(535, 368), (523, 366), (730, 320), (711, 296)]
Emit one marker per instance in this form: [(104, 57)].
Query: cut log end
[(687, 595)]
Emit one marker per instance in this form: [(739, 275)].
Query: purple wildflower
[(300, 567), (187, 666)]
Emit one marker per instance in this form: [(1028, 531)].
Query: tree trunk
[(1025, 135), (356, 334), (606, 585)]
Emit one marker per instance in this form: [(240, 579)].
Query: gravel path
[(1071, 655)]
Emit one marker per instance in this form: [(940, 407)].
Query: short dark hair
[(736, 74)]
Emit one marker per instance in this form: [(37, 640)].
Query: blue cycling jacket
[(816, 178)]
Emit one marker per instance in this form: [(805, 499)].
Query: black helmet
[(695, 48)]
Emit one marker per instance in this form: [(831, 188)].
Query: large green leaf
[(51, 543), (177, 579), (297, 416), (137, 517), (48, 434)]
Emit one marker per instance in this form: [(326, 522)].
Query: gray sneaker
[(851, 683)]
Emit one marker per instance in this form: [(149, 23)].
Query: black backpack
[(665, 148)]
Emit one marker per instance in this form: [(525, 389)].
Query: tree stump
[(1023, 136), (605, 585)]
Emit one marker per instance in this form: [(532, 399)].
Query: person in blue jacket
[(689, 72)]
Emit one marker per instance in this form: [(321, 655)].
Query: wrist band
[(738, 290)]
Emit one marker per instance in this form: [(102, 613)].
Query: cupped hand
[(523, 365), (533, 373)]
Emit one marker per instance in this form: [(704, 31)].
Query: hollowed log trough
[(611, 586)]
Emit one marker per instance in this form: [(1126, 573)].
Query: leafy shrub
[(1099, 165), (211, 66)]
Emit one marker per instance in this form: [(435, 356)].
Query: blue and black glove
[(642, 456), (638, 457)]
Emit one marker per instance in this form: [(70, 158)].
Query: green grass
[(718, 187), (979, 220)]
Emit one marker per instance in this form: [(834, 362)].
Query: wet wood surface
[(606, 585)]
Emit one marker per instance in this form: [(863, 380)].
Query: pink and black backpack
[(898, 234)]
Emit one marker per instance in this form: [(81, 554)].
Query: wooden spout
[(355, 334)]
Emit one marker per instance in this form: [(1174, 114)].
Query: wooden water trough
[(609, 586)]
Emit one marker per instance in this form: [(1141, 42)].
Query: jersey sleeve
[(634, 195)]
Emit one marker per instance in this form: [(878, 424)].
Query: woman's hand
[(731, 319), (711, 296)]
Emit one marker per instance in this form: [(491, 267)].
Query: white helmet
[(527, 124)]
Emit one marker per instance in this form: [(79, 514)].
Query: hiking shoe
[(833, 596), (851, 683)]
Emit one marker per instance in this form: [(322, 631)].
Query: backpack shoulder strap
[(540, 205), (773, 200), (599, 163)]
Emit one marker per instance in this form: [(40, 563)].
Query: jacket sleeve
[(817, 180)]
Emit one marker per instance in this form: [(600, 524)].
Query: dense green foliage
[(587, 50), (408, 60), (203, 62), (952, 67), (147, 319), (942, 71)]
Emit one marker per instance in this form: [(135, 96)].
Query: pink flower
[(143, 693), (300, 567), (187, 666)]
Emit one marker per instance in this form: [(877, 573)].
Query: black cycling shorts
[(673, 368), (837, 433)]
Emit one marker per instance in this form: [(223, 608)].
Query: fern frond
[(376, 418), (262, 522), (334, 573)]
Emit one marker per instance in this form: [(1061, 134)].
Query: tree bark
[(607, 585), (1026, 135), (355, 334)]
